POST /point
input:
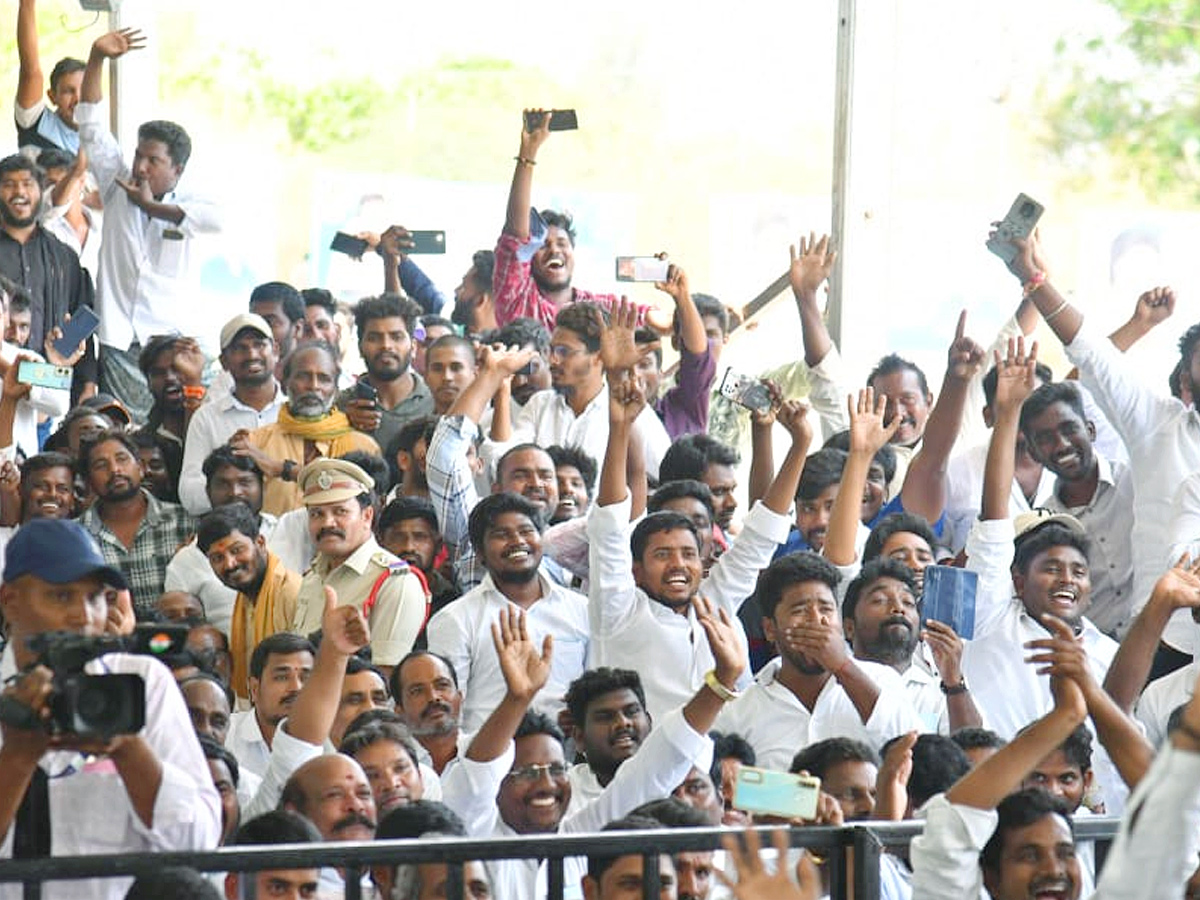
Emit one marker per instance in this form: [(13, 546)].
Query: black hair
[(284, 294), (1040, 539), (155, 346), (173, 135), (893, 363), (281, 643), (483, 264), (706, 305), (581, 320), (19, 162), (493, 506), (580, 459), (386, 306), (676, 490), (68, 65), (455, 340), (538, 723), (597, 865), (1187, 349), (821, 471), (817, 759), (794, 568), (279, 826), (418, 818), (1020, 810), (120, 435), (691, 455), (596, 683), (885, 456), (880, 567), (43, 461), (394, 681), (647, 335), (56, 158), (896, 523), (671, 812), (1076, 749), (224, 456), (434, 321), (355, 740), (223, 521), (14, 296), (176, 882), (213, 750), (729, 746), (359, 663), (657, 523), (564, 220), (977, 739), (513, 451), (316, 344), (404, 508), (523, 332), (938, 762), (315, 296), (1046, 396)]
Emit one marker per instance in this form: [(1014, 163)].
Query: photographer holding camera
[(91, 764)]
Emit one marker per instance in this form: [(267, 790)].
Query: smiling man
[(609, 723), (506, 532), (47, 487)]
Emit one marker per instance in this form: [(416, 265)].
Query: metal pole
[(842, 114)]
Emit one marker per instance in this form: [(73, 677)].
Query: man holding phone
[(532, 280)]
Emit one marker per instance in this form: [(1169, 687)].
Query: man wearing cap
[(340, 500), (144, 792), (248, 354)]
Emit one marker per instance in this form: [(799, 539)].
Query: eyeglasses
[(560, 352), (556, 771)]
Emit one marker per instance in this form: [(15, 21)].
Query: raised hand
[(505, 361), (121, 619), (525, 669), (868, 432), (188, 361), (676, 284), (1063, 658), (820, 640), (394, 242), (117, 43), (755, 883), (138, 192), (53, 356), (947, 649), (1016, 374), (1154, 307), (618, 350), (344, 627), (891, 784), (1179, 586), (966, 357), (811, 264), (793, 416), (14, 389), (727, 651), (626, 400), (532, 140), (765, 418)]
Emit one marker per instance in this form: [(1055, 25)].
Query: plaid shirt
[(162, 531), (516, 294)]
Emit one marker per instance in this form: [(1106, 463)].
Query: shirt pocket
[(168, 250), (570, 656)]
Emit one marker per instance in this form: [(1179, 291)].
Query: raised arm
[(692, 335), (762, 449), (1153, 307), (868, 434), (1016, 380), (619, 353), (1178, 588), (1029, 268), (30, 77), (516, 220), (113, 45), (811, 265), (71, 184), (924, 491)]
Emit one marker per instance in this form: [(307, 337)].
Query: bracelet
[(525, 161), (1054, 315), (1035, 282), (714, 685), (1188, 730), (955, 689)]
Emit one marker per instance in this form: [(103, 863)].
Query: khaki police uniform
[(398, 612)]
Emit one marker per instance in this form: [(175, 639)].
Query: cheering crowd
[(504, 580)]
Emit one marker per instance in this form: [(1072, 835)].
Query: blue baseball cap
[(58, 551)]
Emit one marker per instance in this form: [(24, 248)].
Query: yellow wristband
[(714, 685)]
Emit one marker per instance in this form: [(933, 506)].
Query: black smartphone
[(427, 242), (364, 390), (83, 325), (560, 120), (348, 244)]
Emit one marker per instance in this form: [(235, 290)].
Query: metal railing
[(852, 855)]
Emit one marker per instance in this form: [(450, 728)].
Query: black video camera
[(95, 705)]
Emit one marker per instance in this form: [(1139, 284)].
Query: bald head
[(333, 793)]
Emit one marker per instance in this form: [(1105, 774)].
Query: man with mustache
[(815, 689), (339, 497), (266, 592), (429, 701), (506, 532), (137, 533), (385, 325), (408, 527), (44, 266), (306, 429)]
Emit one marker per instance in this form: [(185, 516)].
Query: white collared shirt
[(190, 571), (246, 742), (547, 420), (778, 725), (1107, 518), (212, 425), (291, 541), (462, 632), (1161, 698), (148, 282), (964, 491), (922, 683), (90, 810), (632, 631)]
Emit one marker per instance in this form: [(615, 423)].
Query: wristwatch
[(289, 470), (950, 691)]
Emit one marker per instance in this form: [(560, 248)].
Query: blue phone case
[(950, 598)]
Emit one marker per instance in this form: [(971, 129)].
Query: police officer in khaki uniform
[(339, 496)]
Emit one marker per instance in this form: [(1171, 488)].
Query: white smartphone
[(642, 268), (776, 793), (1022, 218)]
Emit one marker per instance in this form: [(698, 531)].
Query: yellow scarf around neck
[(278, 587), (327, 428)]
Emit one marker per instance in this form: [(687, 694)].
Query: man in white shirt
[(279, 668), (428, 699), (248, 354), (137, 792), (575, 412), (815, 689), (506, 534), (147, 281)]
